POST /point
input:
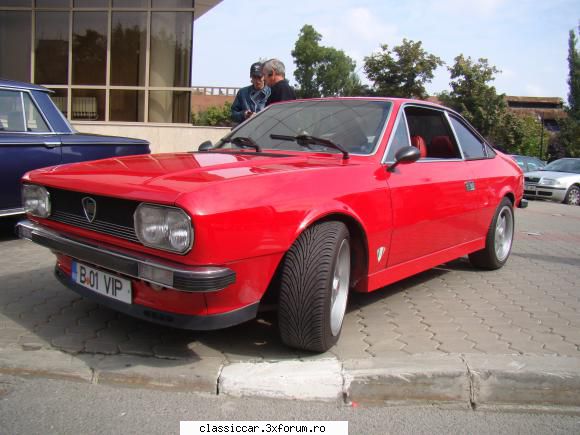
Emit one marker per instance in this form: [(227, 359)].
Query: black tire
[(305, 312), (573, 196), (499, 239)]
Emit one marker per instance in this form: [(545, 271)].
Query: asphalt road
[(34, 406)]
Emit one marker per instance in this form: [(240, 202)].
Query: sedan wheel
[(315, 280), (573, 196)]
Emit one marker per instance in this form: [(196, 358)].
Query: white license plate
[(530, 187), (101, 282)]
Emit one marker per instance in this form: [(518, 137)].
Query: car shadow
[(8, 228)]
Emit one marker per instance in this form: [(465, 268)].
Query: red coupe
[(300, 204)]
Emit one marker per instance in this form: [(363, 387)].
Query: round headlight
[(36, 200), (163, 227)]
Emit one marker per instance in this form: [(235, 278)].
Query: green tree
[(320, 71), (402, 72), (473, 96), (214, 116)]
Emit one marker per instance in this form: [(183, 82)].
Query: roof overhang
[(202, 6)]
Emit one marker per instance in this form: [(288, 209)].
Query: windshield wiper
[(243, 142), (306, 140)]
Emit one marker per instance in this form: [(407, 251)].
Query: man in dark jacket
[(275, 77), (251, 99)]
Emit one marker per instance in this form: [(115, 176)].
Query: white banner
[(263, 427)]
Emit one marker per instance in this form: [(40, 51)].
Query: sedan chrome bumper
[(136, 265)]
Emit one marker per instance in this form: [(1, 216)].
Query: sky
[(526, 39)]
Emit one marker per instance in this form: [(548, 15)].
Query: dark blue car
[(35, 134)]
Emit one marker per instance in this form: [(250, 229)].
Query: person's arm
[(238, 110)]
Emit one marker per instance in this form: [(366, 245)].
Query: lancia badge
[(90, 208)]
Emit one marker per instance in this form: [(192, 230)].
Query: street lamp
[(541, 134)]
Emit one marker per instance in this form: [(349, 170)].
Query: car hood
[(554, 175), (163, 177)]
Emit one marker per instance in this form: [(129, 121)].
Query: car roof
[(21, 85)]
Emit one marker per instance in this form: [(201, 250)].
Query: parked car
[(298, 205), (34, 134), (557, 181), (528, 163)]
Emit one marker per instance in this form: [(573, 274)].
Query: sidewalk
[(450, 335)]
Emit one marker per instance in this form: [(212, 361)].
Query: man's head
[(274, 71), (256, 75)]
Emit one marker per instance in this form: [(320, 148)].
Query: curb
[(467, 381)]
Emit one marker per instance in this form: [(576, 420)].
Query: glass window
[(130, 3), (170, 106), (89, 48), (11, 115), (127, 105), (15, 26), (52, 3), (91, 3), (173, 4), (128, 48), (51, 48), (88, 104), (59, 97), (400, 139), (471, 145), (34, 121), (435, 131), (171, 49), (23, 3)]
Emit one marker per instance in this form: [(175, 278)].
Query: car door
[(433, 198), (26, 143)]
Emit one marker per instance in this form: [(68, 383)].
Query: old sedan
[(34, 134), (558, 181), (298, 205)]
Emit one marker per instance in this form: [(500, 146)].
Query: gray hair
[(274, 65)]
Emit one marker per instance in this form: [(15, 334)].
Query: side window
[(431, 133), (34, 121), (11, 114), (400, 139), (472, 146)]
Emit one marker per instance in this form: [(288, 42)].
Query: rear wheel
[(573, 196), (315, 281), (498, 243)]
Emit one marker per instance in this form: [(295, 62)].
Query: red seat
[(419, 143), (442, 147)]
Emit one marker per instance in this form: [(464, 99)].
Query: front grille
[(113, 217)]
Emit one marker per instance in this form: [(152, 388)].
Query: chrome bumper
[(140, 266)]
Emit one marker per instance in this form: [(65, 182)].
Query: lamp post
[(541, 134)]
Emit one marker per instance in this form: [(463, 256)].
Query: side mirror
[(207, 145), (405, 155)]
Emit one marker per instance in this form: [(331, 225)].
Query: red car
[(299, 205)]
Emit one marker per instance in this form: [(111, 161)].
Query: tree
[(473, 96), (402, 72), (320, 71)]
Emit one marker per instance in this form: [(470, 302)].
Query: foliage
[(569, 136), (215, 116), (573, 77), (473, 97), (402, 72), (321, 71), (520, 134)]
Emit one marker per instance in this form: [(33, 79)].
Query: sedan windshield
[(564, 165), (354, 125)]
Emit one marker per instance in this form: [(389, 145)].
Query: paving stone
[(101, 346)]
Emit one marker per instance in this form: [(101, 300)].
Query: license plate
[(101, 282), (530, 187)]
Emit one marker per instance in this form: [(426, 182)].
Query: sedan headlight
[(36, 200), (551, 182), (161, 227)]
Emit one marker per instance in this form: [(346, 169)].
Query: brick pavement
[(530, 307)]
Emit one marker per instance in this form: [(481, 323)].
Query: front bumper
[(129, 263), (545, 192)]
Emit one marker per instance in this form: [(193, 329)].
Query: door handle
[(51, 144), (470, 186)]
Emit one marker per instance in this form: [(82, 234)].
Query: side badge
[(380, 253)]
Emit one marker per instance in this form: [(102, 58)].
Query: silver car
[(557, 181)]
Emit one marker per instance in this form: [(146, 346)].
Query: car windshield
[(564, 165), (355, 125)]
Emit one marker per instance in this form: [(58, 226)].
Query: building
[(549, 110), (106, 60)]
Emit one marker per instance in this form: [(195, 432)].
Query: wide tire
[(573, 196), (498, 243), (315, 281)]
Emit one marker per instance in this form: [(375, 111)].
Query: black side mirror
[(405, 155), (207, 145)]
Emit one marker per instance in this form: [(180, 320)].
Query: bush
[(215, 116)]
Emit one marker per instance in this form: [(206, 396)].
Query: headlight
[(550, 182), (36, 200), (163, 227)]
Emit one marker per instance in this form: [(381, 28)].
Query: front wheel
[(499, 239), (314, 287), (573, 196)]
